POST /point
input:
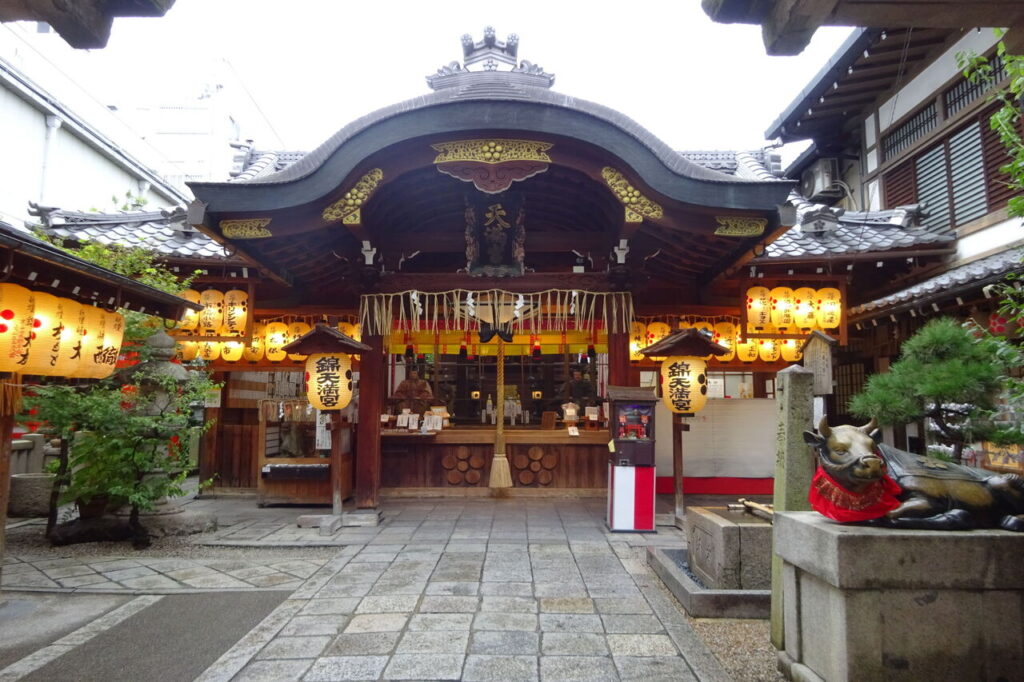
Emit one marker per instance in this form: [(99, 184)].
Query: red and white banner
[(630, 498)]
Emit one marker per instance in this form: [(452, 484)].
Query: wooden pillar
[(337, 474), (371, 401), (678, 429), (618, 360), (6, 429)]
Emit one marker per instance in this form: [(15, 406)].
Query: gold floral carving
[(637, 205), (492, 151), (731, 226), (246, 228), (346, 209)]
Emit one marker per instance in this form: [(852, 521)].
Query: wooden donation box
[(631, 473)]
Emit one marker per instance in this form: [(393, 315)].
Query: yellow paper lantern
[(113, 337), (189, 319), (47, 326), (769, 350), (276, 336), (350, 330), (188, 350), (683, 324), (231, 351), (236, 313), (759, 307), (656, 331), (104, 332), (746, 351), (296, 330), (725, 335), (209, 350), (830, 308), (329, 380), (684, 383), (782, 307), (637, 340), (804, 307), (211, 317), (94, 321), (16, 318), (73, 320), (790, 350), (253, 351)]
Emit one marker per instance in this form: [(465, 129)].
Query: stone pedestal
[(729, 550), (864, 604), (30, 494)]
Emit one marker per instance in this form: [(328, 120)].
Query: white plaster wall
[(874, 196), (870, 134), (872, 160), (933, 77), (1001, 234), (21, 141)]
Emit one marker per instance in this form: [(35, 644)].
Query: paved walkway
[(520, 589)]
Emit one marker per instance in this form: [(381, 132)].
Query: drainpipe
[(53, 123)]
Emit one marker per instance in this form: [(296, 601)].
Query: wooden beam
[(371, 401)]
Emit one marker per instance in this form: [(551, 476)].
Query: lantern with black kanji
[(684, 383), (329, 380), (759, 306)]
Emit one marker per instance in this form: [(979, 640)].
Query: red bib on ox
[(830, 499)]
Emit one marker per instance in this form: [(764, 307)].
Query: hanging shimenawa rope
[(501, 475), (530, 313)]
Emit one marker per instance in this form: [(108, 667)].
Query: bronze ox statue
[(931, 493)]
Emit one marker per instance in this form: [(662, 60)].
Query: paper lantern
[(253, 351), (91, 341), (113, 337), (782, 307), (684, 383), (350, 330), (189, 319), (725, 335), (830, 308), (209, 350), (211, 317), (329, 380), (683, 324), (759, 307), (188, 350), (276, 336), (295, 330), (637, 341), (656, 331), (236, 313), (47, 325), (16, 318), (790, 350), (231, 351), (73, 319), (998, 324), (746, 351), (804, 307), (769, 350)]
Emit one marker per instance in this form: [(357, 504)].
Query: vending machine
[(631, 471)]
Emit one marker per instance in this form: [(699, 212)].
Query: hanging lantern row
[(803, 308), (223, 313), (727, 334), (268, 340), (43, 334)]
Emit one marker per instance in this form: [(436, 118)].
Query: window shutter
[(967, 173), (933, 187), (995, 157), (898, 186)]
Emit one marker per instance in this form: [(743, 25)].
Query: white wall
[(733, 438), (999, 235)]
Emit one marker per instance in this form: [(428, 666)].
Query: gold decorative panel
[(246, 228), (731, 226), (346, 209), (637, 206), (492, 151)]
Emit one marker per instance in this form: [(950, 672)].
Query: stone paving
[(479, 590)]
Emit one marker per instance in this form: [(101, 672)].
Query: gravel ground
[(742, 647), (29, 541)]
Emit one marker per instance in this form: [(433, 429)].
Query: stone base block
[(729, 550), (865, 604), (30, 495), (186, 522), (361, 517), (699, 601)]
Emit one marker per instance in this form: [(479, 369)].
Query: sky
[(308, 67)]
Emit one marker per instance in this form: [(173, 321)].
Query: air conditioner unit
[(818, 182)]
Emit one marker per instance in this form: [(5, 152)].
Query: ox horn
[(869, 427), (823, 427)]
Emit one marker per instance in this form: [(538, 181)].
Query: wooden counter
[(462, 458)]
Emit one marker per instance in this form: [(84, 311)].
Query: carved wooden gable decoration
[(492, 165)]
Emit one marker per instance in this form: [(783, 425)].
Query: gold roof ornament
[(636, 205), (347, 208), (245, 228)]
